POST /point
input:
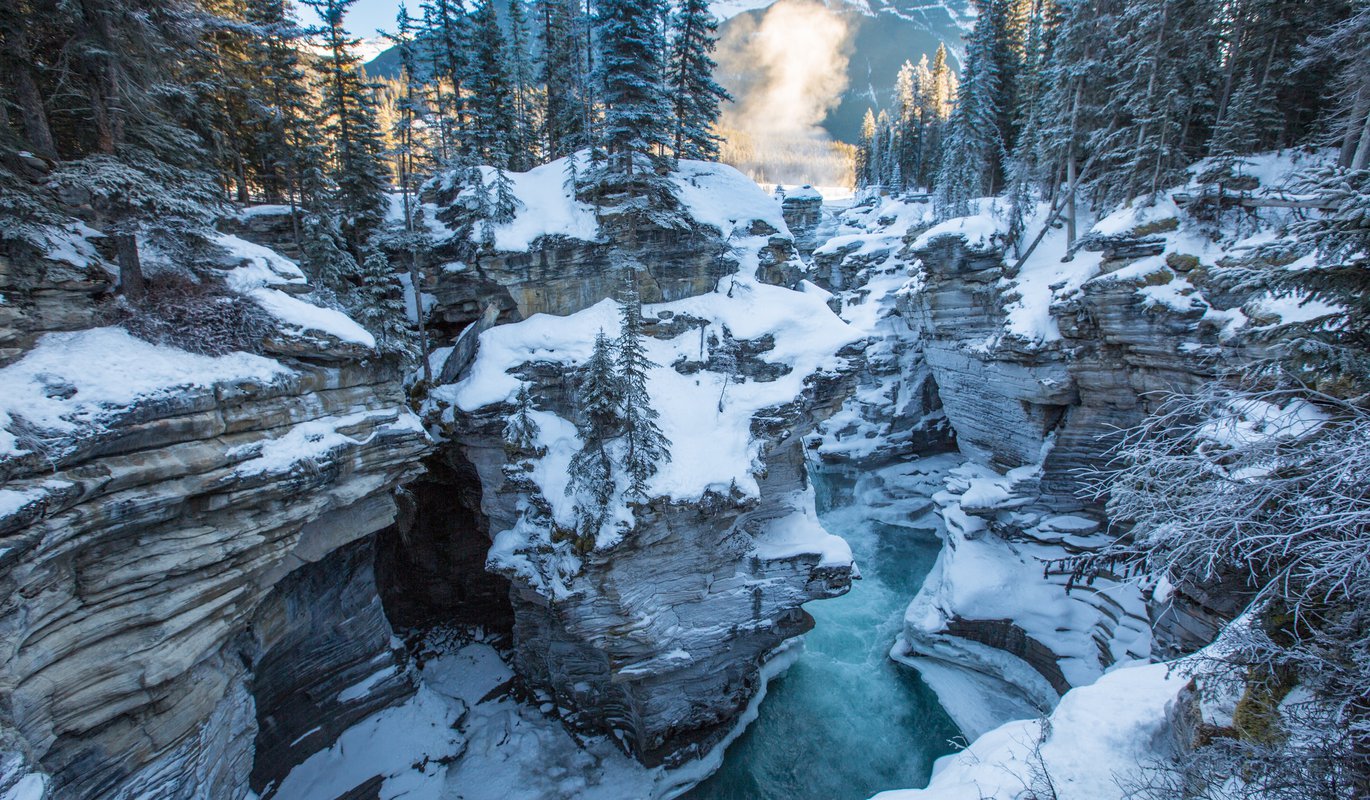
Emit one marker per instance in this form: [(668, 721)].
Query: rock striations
[(185, 547)]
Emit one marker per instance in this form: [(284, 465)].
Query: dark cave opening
[(430, 564)]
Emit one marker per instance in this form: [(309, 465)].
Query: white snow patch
[(304, 317), (718, 195), (74, 380)]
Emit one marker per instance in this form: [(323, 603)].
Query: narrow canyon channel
[(845, 721)]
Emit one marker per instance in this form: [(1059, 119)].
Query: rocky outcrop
[(186, 573), (803, 210), (662, 636), (659, 636), (48, 294), (1033, 372)]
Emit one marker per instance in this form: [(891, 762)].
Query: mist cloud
[(786, 72)]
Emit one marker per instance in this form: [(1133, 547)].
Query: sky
[(367, 15)]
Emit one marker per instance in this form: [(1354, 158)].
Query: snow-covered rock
[(186, 542), (657, 631)]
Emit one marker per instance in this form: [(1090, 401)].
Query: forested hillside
[(147, 119)]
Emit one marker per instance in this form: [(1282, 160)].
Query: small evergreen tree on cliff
[(378, 304), (600, 395), (648, 447), (521, 430)]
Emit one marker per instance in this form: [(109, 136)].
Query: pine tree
[(377, 303), (122, 69), (491, 129), (523, 138), (1345, 47), (325, 257), (521, 430), (647, 447), (867, 152), (591, 471), (1331, 351), (564, 129), (292, 152), (1163, 91), (636, 130), (446, 33), (973, 149), (695, 95), (908, 121), (411, 153), (349, 111)]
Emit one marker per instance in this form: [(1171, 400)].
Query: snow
[(1042, 279), (263, 210), (805, 192), (807, 337), (800, 533), (304, 317), (545, 208), (70, 242), (720, 196), (1292, 307), (359, 690), (261, 269), (461, 736), (23, 785), (102, 372), (978, 229), (1097, 735), (979, 576), (712, 194), (394, 213), (389, 743), (258, 266)]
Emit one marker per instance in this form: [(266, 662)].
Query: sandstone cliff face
[(186, 573)]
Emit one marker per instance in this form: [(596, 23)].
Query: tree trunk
[(31, 111), (131, 282), (1070, 199), (1355, 125)]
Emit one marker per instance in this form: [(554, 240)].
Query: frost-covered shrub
[(1271, 488), (197, 317)]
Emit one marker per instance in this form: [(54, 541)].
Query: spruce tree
[(520, 429), (695, 95), (288, 141), (636, 133), (868, 152), (564, 128), (377, 303), (411, 154), (522, 145), (591, 471), (446, 34), (491, 128), (349, 112), (647, 447)]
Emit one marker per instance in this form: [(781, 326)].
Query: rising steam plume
[(786, 72)]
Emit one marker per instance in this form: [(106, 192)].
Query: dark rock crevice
[(430, 565)]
